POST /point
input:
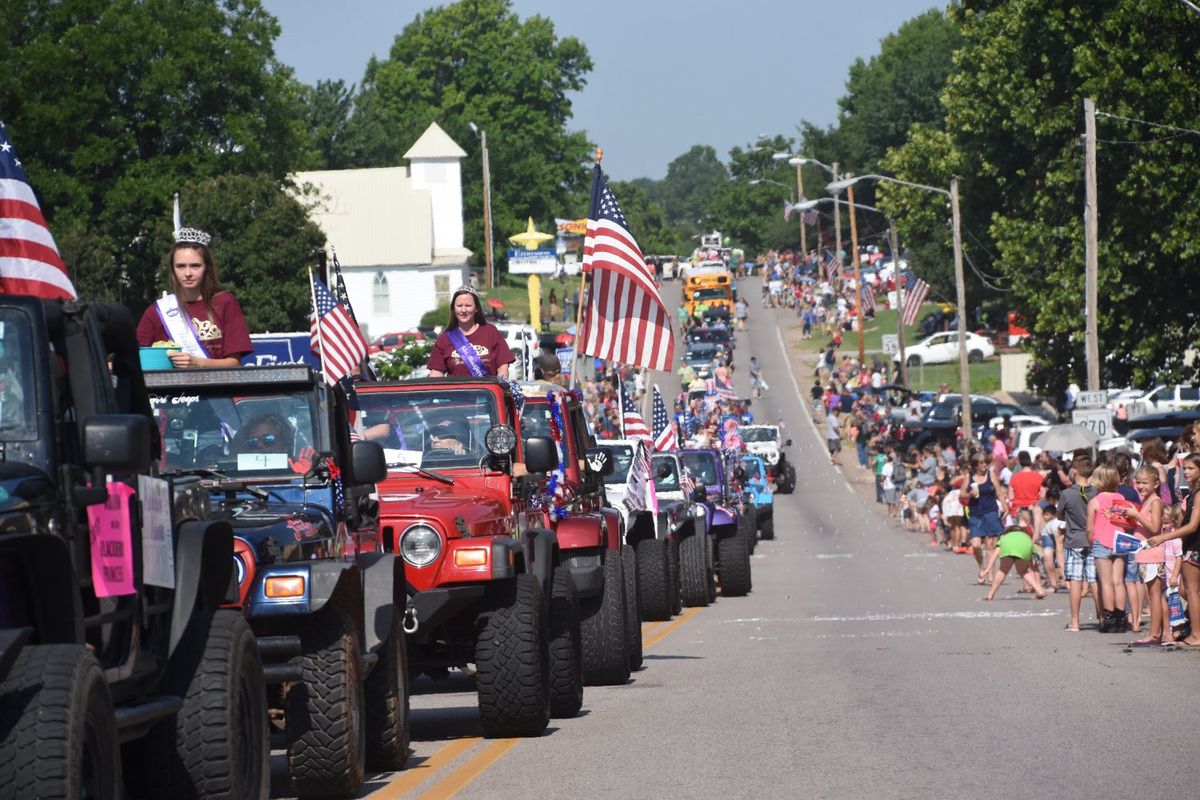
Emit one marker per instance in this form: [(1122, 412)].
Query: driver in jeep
[(449, 434)]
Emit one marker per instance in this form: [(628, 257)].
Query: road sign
[(1091, 399), (891, 344), (1097, 420)]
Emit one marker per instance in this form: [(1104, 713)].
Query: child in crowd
[(1072, 507), (955, 522), (1015, 548), (889, 486), (1051, 544), (1148, 518), (1102, 513), (1188, 531), (932, 515)]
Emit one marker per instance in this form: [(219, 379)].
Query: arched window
[(379, 294)]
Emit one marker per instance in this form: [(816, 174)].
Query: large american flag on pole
[(631, 419), (625, 320), (913, 298), (29, 259), (830, 266), (331, 326), (665, 438)]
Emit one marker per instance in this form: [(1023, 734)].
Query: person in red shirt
[(466, 317), (213, 315)]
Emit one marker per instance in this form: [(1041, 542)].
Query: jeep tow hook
[(411, 623)]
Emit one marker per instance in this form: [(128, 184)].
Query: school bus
[(713, 289)]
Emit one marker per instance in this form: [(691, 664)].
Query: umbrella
[(1063, 438), (495, 303)]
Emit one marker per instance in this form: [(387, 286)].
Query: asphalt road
[(863, 664)]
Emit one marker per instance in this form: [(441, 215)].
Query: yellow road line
[(414, 776), (666, 629), (456, 781), (649, 626)]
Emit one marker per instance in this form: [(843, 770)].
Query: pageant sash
[(467, 352), (179, 326)]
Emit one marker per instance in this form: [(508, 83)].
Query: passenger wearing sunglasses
[(266, 433)]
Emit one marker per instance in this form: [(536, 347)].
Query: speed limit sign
[(1097, 420)]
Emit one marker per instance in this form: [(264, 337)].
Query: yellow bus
[(712, 289)]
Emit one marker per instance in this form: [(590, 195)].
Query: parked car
[(944, 417), (1169, 398), (942, 348), (390, 341)]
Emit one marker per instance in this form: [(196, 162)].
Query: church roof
[(435, 143)]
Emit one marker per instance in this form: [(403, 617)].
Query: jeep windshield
[(622, 457), (666, 475), (703, 466), (758, 435), (430, 429), (237, 432), (18, 422)]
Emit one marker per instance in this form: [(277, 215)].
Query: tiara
[(467, 288), (192, 236)]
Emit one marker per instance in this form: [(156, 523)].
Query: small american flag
[(626, 320), (631, 419), (331, 325), (913, 298), (29, 259), (787, 210), (811, 216), (830, 266), (665, 437), (638, 485), (868, 297)]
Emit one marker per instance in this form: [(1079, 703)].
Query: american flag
[(29, 259), (913, 298), (626, 319), (631, 420), (868, 297), (638, 486), (343, 297), (787, 210), (333, 326), (665, 437), (830, 266), (811, 216)]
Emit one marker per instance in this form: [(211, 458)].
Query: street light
[(798, 161), (837, 187), (487, 199), (757, 181)]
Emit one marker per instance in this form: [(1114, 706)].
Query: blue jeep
[(758, 494)]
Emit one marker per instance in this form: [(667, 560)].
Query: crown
[(466, 287), (192, 236)]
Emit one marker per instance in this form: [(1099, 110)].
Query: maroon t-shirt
[(488, 343), (222, 336)]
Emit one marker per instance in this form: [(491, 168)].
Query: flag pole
[(579, 311), (312, 288)]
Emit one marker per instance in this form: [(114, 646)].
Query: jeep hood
[(478, 513)]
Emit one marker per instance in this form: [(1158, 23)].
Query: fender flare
[(338, 584), (203, 571), (539, 546), (611, 528), (384, 596), (53, 587), (582, 530)]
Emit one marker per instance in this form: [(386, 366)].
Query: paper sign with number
[(112, 543)]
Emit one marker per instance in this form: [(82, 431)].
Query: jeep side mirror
[(788, 443), (118, 443), (599, 461), (367, 462), (541, 455), (739, 474), (699, 494)]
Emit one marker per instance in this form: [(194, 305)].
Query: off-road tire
[(512, 658), (388, 710), (788, 484), (217, 745), (602, 620), (566, 647), (749, 528), (694, 573), (654, 579), (633, 613), (57, 726), (767, 529), (676, 591), (733, 566), (325, 716)]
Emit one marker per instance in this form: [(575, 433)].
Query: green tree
[(1014, 117), (116, 104), (691, 177), (752, 214), (477, 61), (647, 220)]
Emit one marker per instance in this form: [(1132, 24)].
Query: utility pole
[(899, 306), (964, 373), (1091, 224), (487, 209), (858, 311), (800, 199), (837, 229)]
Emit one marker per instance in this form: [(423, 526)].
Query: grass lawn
[(985, 377), (873, 330)]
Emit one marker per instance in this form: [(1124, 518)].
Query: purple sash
[(467, 352)]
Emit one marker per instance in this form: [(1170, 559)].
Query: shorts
[(1047, 541), (889, 497), (1131, 570), (835, 445), (1192, 557), (985, 526), (1080, 566)]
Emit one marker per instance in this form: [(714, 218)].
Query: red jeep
[(459, 506), (589, 534)]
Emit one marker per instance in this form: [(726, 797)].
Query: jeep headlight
[(500, 440), (420, 545)]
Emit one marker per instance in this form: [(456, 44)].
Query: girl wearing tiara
[(470, 345), (203, 319)]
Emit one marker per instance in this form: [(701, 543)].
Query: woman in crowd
[(1188, 531), (1015, 548), (199, 315), (470, 345), (985, 499)]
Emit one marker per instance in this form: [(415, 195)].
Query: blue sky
[(667, 74)]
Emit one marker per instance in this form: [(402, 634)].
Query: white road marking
[(833, 555), (921, 555), (941, 615)]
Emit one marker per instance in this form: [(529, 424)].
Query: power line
[(1148, 123)]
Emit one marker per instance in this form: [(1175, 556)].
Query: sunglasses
[(267, 440)]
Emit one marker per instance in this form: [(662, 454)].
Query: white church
[(398, 232)]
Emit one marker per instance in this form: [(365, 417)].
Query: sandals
[(1149, 641)]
